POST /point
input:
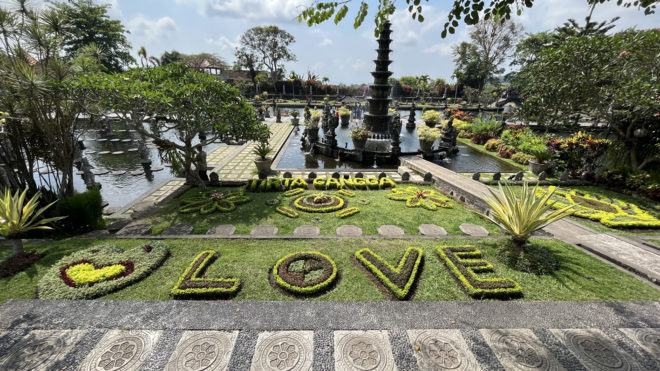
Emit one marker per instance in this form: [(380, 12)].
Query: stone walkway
[(627, 253), (189, 335)]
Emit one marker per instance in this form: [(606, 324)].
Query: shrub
[(343, 112), (483, 128), (431, 117), (360, 133), (464, 134), (290, 272), (428, 134), (191, 285), (492, 144), (521, 158), (502, 152), (83, 212), (399, 281), (540, 152)]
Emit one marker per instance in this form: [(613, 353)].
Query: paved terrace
[(188, 335)]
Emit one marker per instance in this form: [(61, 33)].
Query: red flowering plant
[(580, 151)]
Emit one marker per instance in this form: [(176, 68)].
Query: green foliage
[(210, 202), (83, 212), (140, 262), (521, 158), (399, 281), (268, 46), (18, 217), (492, 144), (262, 150), (521, 217), (284, 277), (347, 212), (416, 197), (192, 285), (428, 134), (287, 211), (531, 258), (360, 133), (540, 152), (85, 23), (343, 112), (431, 116), (465, 262)]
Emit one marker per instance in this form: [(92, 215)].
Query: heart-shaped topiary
[(100, 270)]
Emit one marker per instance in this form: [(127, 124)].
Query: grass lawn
[(379, 211), (644, 203), (580, 278)]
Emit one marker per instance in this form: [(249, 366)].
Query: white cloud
[(224, 43), (410, 32), (113, 10), (326, 41), (280, 10), (150, 29), (441, 48)]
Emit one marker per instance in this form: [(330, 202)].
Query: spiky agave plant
[(18, 217), (521, 217)]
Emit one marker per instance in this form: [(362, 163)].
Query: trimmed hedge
[(301, 204), (399, 281), (608, 211), (191, 285), (464, 262), (287, 211), (415, 197), (139, 262), (294, 281), (347, 212), (293, 192), (346, 192), (209, 202)]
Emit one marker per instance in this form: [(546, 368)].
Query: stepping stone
[(137, 172), (114, 140), (118, 153), (104, 152), (178, 230), (431, 230), (46, 171), (157, 168), (101, 140), (132, 347), (132, 150), (348, 230), (473, 230), (390, 230), (126, 140), (284, 350), (135, 230), (307, 231), (100, 172), (264, 231), (118, 172), (41, 350), (111, 210), (509, 344), (152, 146), (431, 344), (193, 350), (222, 230), (116, 226), (595, 350), (90, 152), (363, 350), (79, 172)]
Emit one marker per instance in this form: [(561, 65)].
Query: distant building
[(222, 73)]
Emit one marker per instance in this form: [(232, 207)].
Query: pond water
[(121, 190)]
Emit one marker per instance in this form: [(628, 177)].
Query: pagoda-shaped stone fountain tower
[(377, 120)]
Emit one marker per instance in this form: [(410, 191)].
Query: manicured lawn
[(379, 211), (581, 277), (644, 203)]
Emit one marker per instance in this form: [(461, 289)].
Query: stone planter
[(536, 168), (263, 166), (295, 120), (359, 144), (425, 146), (312, 134), (345, 120), (430, 124)]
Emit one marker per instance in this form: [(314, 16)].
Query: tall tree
[(171, 57), (491, 44), (85, 23), (468, 11), (248, 60), (271, 46)]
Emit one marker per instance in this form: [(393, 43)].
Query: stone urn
[(345, 120), (359, 144), (295, 120), (263, 165), (430, 124), (426, 146), (537, 167)]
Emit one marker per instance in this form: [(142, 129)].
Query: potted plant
[(427, 136), (359, 136), (294, 117), (345, 115), (262, 162), (540, 162), (312, 125), (431, 118)]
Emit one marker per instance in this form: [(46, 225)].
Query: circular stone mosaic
[(440, 352), (123, 351), (362, 353), (283, 353), (201, 352), (598, 352), (521, 351), (319, 203), (33, 354)]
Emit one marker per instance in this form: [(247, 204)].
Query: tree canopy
[(86, 23), (467, 11), (269, 46)]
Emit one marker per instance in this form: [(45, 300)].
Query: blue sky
[(341, 53)]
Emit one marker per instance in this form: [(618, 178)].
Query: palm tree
[(154, 61), (142, 53)]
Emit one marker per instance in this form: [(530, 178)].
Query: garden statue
[(411, 118), (395, 133), (476, 176), (497, 176), (278, 115), (143, 153), (200, 163)]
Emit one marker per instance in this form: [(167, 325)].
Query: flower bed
[(210, 202), (192, 285), (464, 262), (305, 273), (415, 197), (608, 211), (100, 270), (398, 281), (318, 203)]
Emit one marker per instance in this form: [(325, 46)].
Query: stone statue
[(411, 118), (200, 163)]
